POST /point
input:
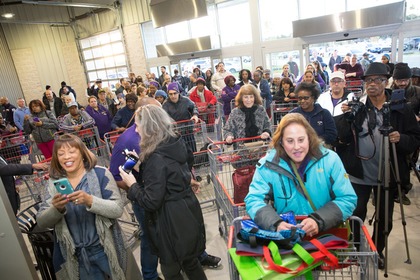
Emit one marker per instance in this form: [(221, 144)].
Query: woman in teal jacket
[(298, 155)]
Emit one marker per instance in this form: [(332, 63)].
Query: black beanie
[(401, 71), (47, 87)]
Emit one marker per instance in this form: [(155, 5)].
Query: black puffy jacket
[(174, 221)]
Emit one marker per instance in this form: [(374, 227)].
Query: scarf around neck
[(251, 130)]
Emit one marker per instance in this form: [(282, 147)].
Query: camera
[(354, 106), (62, 187), (346, 34), (130, 162), (192, 55)]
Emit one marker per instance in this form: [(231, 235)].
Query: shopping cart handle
[(238, 140)]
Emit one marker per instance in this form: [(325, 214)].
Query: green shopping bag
[(281, 267)]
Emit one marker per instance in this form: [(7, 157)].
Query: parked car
[(387, 48), (414, 43), (373, 48), (233, 67)]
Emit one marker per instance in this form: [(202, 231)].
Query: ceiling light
[(8, 15)]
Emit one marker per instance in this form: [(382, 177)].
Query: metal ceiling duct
[(187, 46), (166, 12), (383, 15)]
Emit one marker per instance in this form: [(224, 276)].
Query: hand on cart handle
[(194, 119), (265, 135), (310, 226), (41, 166), (229, 139)]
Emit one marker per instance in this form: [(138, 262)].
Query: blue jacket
[(265, 92), (122, 118), (325, 179), (19, 115), (321, 120)]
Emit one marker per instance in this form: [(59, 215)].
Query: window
[(281, 58), (177, 32), (325, 7), (413, 9), (235, 64), (270, 11), (104, 58), (188, 65), (234, 22), (151, 38), (411, 54)]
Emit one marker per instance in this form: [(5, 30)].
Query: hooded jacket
[(321, 120), (325, 179), (412, 95), (208, 97), (45, 132), (175, 225), (265, 92)]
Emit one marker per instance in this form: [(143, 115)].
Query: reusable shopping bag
[(242, 178)]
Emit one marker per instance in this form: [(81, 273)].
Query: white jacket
[(325, 100), (218, 80)]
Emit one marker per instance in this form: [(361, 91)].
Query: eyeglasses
[(336, 81), (376, 80), (303, 97), (400, 81)]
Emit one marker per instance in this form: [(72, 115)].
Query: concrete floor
[(216, 245)]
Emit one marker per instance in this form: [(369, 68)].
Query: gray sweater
[(67, 123), (235, 126), (45, 132)]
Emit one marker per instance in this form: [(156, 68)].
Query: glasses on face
[(376, 80), (401, 81), (300, 98), (336, 81)]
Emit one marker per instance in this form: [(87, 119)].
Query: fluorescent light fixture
[(8, 15)]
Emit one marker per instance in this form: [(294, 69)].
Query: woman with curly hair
[(245, 78)]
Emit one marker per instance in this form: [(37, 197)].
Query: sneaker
[(405, 199), (211, 261)]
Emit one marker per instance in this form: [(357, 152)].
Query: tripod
[(384, 176)]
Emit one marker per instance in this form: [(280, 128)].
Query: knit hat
[(63, 83), (154, 83), (277, 75), (101, 90), (401, 71), (374, 69), (173, 86), (201, 80), (227, 78), (415, 72), (131, 97), (337, 74), (387, 56), (161, 93), (47, 87)]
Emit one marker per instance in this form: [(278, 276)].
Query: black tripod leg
[(380, 180), (386, 189), (397, 176)]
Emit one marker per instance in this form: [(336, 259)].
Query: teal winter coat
[(325, 179)]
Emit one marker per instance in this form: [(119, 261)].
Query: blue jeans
[(148, 261), (98, 264)]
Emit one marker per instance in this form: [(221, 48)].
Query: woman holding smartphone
[(174, 221), (88, 241)]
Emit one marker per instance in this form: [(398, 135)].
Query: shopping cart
[(194, 134), (211, 116), (356, 86), (14, 148), (109, 139), (128, 221), (280, 109), (35, 186), (90, 137), (358, 261), (224, 160)]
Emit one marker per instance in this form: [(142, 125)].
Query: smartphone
[(130, 162), (63, 186), (36, 119), (398, 95)]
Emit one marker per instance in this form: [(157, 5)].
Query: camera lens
[(62, 187)]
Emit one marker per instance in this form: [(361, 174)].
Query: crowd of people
[(323, 133)]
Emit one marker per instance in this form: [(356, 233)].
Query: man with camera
[(359, 127)]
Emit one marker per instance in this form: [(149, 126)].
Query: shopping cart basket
[(357, 261), (280, 109), (14, 148), (211, 116), (109, 139), (224, 161), (356, 86), (193, 134)]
